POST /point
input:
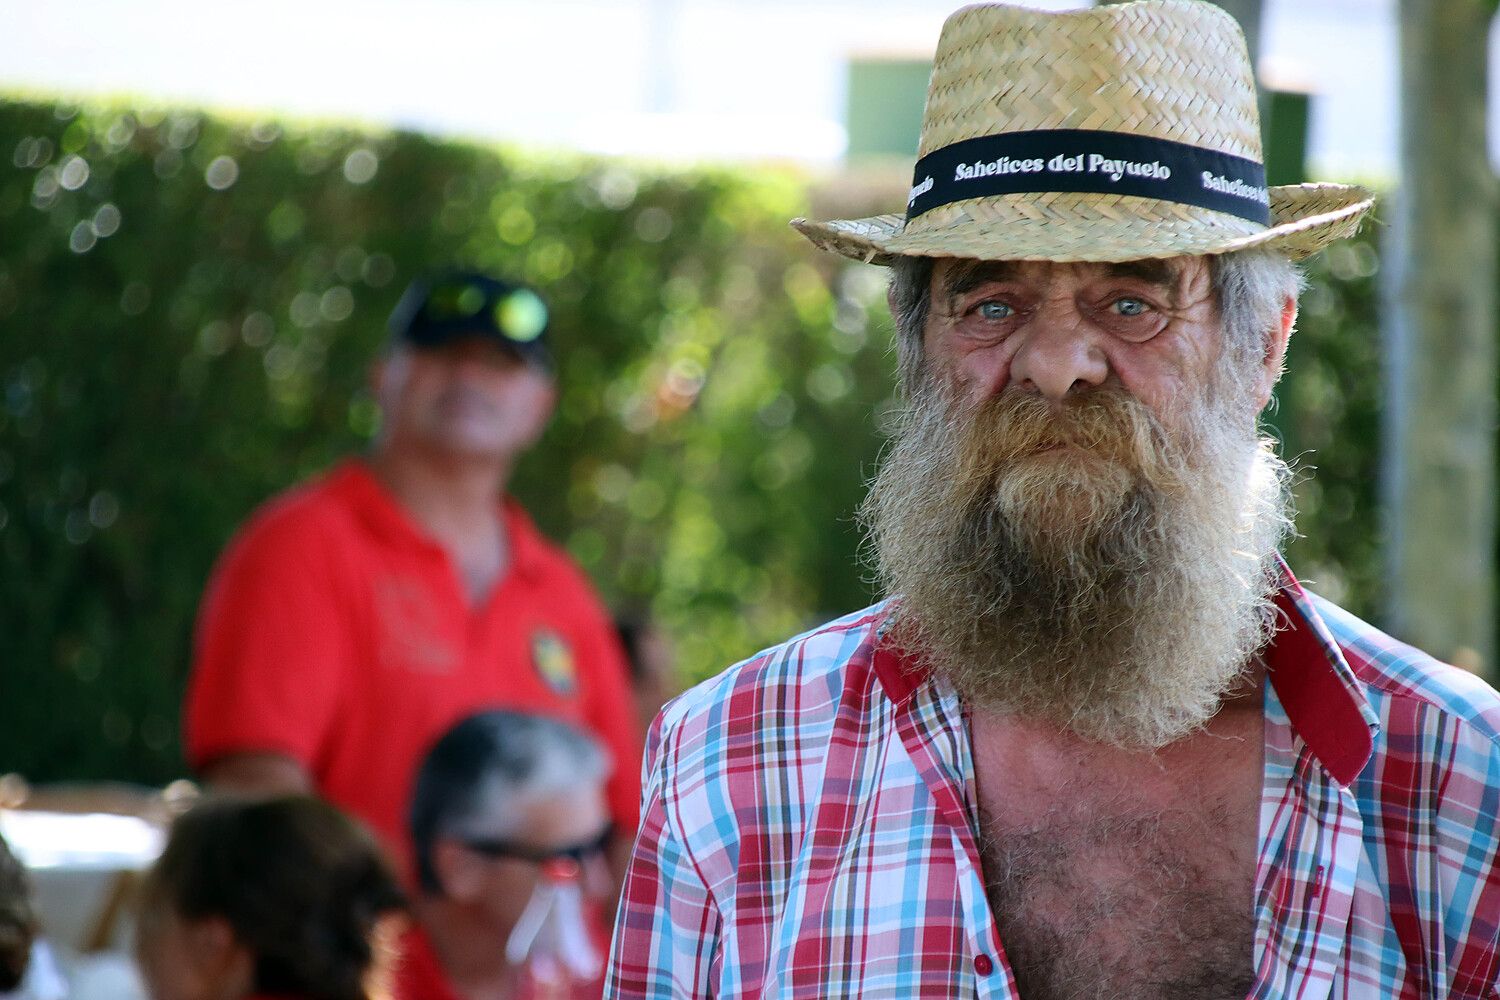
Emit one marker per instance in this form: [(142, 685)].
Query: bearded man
[(1098, 741)]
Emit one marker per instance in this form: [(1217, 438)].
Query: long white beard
[(1082, 565)]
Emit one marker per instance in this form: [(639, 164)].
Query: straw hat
[(1116, 133)]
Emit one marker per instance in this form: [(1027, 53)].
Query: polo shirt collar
[(1323, 698), (382, 512), (527, 546)]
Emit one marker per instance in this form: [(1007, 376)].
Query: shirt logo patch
[(554, 662)]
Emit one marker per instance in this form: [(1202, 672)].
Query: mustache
[(1116, 588), (1106, 424)]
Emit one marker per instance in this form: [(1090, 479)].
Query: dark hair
[(301, 885), (474, 771), (17, 920)]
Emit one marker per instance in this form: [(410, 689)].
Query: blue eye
[(995, 310), (1129, 307)]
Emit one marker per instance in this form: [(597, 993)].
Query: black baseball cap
[(440, 308)]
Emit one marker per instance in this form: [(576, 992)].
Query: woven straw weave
[(1166, 69)]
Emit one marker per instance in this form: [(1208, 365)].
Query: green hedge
[(188, 304)]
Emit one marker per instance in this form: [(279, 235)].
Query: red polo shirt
[(336, 632)]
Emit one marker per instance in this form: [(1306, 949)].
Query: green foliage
[(1328, 412), (187, 308), (188, 305)]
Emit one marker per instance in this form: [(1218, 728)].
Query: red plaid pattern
[(808, 829)]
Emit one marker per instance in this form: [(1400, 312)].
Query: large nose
[(1059, 355)]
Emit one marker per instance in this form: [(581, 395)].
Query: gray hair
[(1251, 287), (476, 779)]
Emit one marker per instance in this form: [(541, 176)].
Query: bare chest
[(1128, 879)]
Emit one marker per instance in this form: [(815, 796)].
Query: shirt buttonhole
[(1317, 885)]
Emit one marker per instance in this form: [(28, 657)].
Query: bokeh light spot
[(106, 220), (104, 509), (378, 270), (654, 224), (76, 528), (44, 189), (360, 166), (222, 173), (522, 315), (617, 188), (337, 304), (257, 329), (285, 222), (306, 309), (516, 226), (214, 339), (82, 239)]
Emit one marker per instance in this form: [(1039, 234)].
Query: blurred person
[(1097, 741), (284, 897), (510, 825), (357, 617)]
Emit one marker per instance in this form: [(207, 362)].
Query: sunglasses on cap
[(517, 314), (577, 853), (437, 311)]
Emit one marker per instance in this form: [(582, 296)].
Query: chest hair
[(1122, 900)]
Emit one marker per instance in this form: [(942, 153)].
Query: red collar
[(378, 508), (1317, 687), (1314, 683)]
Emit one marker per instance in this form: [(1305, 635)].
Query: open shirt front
[(808, 827)]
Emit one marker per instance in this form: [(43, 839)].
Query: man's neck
[(1058, 756), (444, 494), (456, 502), (469, 947)]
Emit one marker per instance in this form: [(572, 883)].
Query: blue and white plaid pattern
[(809, 831)]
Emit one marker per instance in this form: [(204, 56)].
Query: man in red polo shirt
[(355, 619)]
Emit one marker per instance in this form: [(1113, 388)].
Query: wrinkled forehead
[(1174, 276)]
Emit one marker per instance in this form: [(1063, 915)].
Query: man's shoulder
[(551, 569), (789, 691), (1401, 679), (300, 519)]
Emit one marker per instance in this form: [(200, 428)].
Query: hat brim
[(1305, 218)]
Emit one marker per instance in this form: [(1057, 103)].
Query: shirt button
[(983, 965)]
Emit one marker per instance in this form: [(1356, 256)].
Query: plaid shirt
[(809, 827)]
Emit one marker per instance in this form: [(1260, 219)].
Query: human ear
[(224, 965), (541, 400), (1275, 354)]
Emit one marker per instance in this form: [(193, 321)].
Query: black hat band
[(1093, 162)]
